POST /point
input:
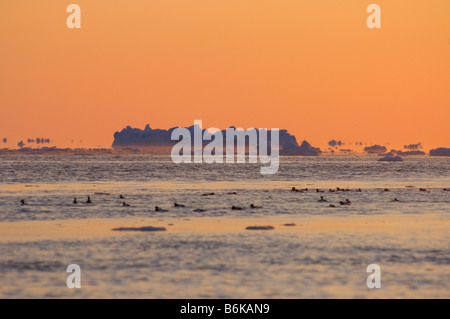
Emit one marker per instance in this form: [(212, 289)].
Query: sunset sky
[(313, 67)]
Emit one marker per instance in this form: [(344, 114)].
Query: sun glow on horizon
[(313, 68)]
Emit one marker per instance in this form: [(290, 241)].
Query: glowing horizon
[(313, 68)]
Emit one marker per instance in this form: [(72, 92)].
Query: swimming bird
[(254, 206), (125, 204), (344, 203), (236, 208), (293, 189), (232, 193), (178, 205), (199, 210), (89, 200), (331, 190), (447, 190), (386, 190), (75, 200), (159, 209), (396, 200), (121, 196), (331, 205), (318, 191), (208, 194), (22, 202), (348, 201), (359, 190), (422, 189), (322, 200)]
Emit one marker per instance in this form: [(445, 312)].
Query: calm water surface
[(240, 265)]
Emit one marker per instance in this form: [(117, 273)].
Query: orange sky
[(312, 67)]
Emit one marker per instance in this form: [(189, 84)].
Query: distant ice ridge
[(137, 138), (375, 149), (145, 228), (391, 159), (441, 151), (305, 149), (410, 150), (403, 153), (413, 147)]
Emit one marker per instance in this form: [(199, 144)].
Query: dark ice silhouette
[(441, 151), (145, 228), (375, 149), (130, 138)]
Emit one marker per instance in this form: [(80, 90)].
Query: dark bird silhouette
[(322, 200), (254, 206), (199, 210), (331, 190), (319, 191), (348, 201), (331, 205), (359, 190), (232, 193), (236, 208), (125, 204), (208, 194), (75, 200), (121, 196), (178, 205), (22, 202), (89, 200), (386, 190), (159, 209), (344, 203), (422, 189), (396, 200)]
